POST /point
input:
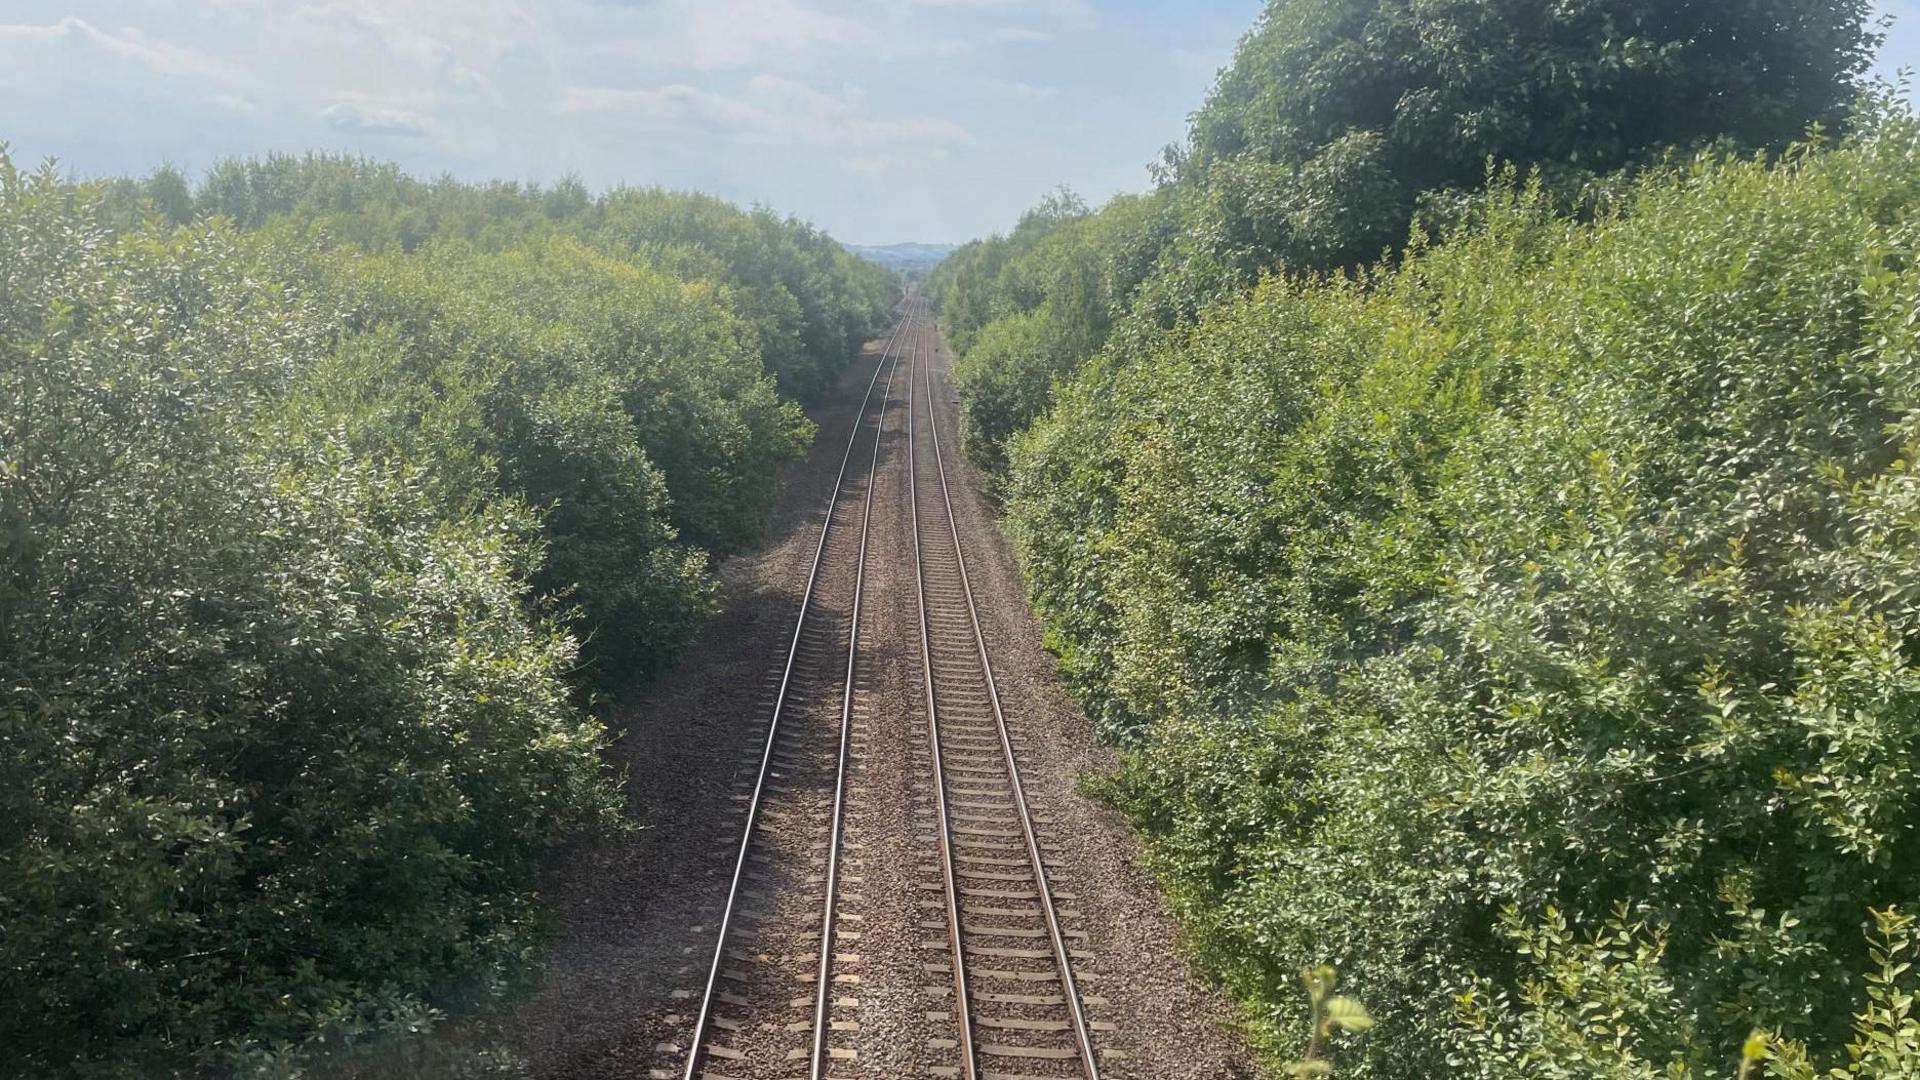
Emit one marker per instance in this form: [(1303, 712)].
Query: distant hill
[(910, 258)]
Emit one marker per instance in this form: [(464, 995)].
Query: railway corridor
[(897, 902)]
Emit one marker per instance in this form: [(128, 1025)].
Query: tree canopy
[(1340, 123), (329, 498)]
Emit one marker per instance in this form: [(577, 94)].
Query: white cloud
[(673, 104), (362, 118), (1076, 9), (842, 120), (1025, 91), (129, 44), (884, 166), (739, 32), (714, 35), (746, 98), (772, 107), (430, 35), (352, 26)]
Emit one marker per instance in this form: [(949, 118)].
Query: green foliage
[(1029, 309), (563, 378), (313, 482), (1604, 1005), (810, 303), (1341, 121), (1600, 1004), (1559, 564), (1596, 84), (982, 281), (1337, 117), (1886, 1034), (605, 359), (282, 733), (1328, 1013), (1005, 381)]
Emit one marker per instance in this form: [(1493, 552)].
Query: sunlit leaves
[(1563, 565), (300, 532)]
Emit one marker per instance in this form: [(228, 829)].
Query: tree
[(1423, 93), (1558, 566), (172, 197), (282, 732)]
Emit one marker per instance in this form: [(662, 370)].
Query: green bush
[(1560, 566), (433, 365), (313, 480), (1603, 1005), (810, 303), (1031, 308), (1005, 381), (985, 280), (281, 732), (1338, 117), (1342, 126)]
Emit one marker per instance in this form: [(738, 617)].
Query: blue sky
[(881, 120)]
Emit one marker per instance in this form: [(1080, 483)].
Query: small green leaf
[(1348, 1013)]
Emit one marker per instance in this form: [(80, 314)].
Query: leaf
[(1348, 1013)]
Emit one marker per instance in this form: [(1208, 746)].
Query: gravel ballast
[(635, 913)]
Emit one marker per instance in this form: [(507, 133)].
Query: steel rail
[(705, 1015), (962, 1005), (1069, 988), (817, 1054)]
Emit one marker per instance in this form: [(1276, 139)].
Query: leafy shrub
[(984, 280), (281, 731), (624, 399), (1562, 565), (1418, 97), (432, 367), (1029, 309), (682, 364), (1602, 1005), (1338, 120), (1005, 381), (295, 520), (809, 302)]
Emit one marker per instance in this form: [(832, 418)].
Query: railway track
[(1016, 1007), (780, 995), (767, 1006)]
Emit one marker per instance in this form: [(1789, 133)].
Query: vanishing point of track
[(1015, 1003)]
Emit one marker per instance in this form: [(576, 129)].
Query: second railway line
[(999, 960), (1016, 1005)]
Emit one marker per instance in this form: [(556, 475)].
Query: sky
[(880, 120)]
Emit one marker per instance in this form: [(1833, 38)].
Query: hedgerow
[(1561, 568), (1028, 309), (1343, 127), (627, 401), (307, 509), (808, 301), (282, 734)]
